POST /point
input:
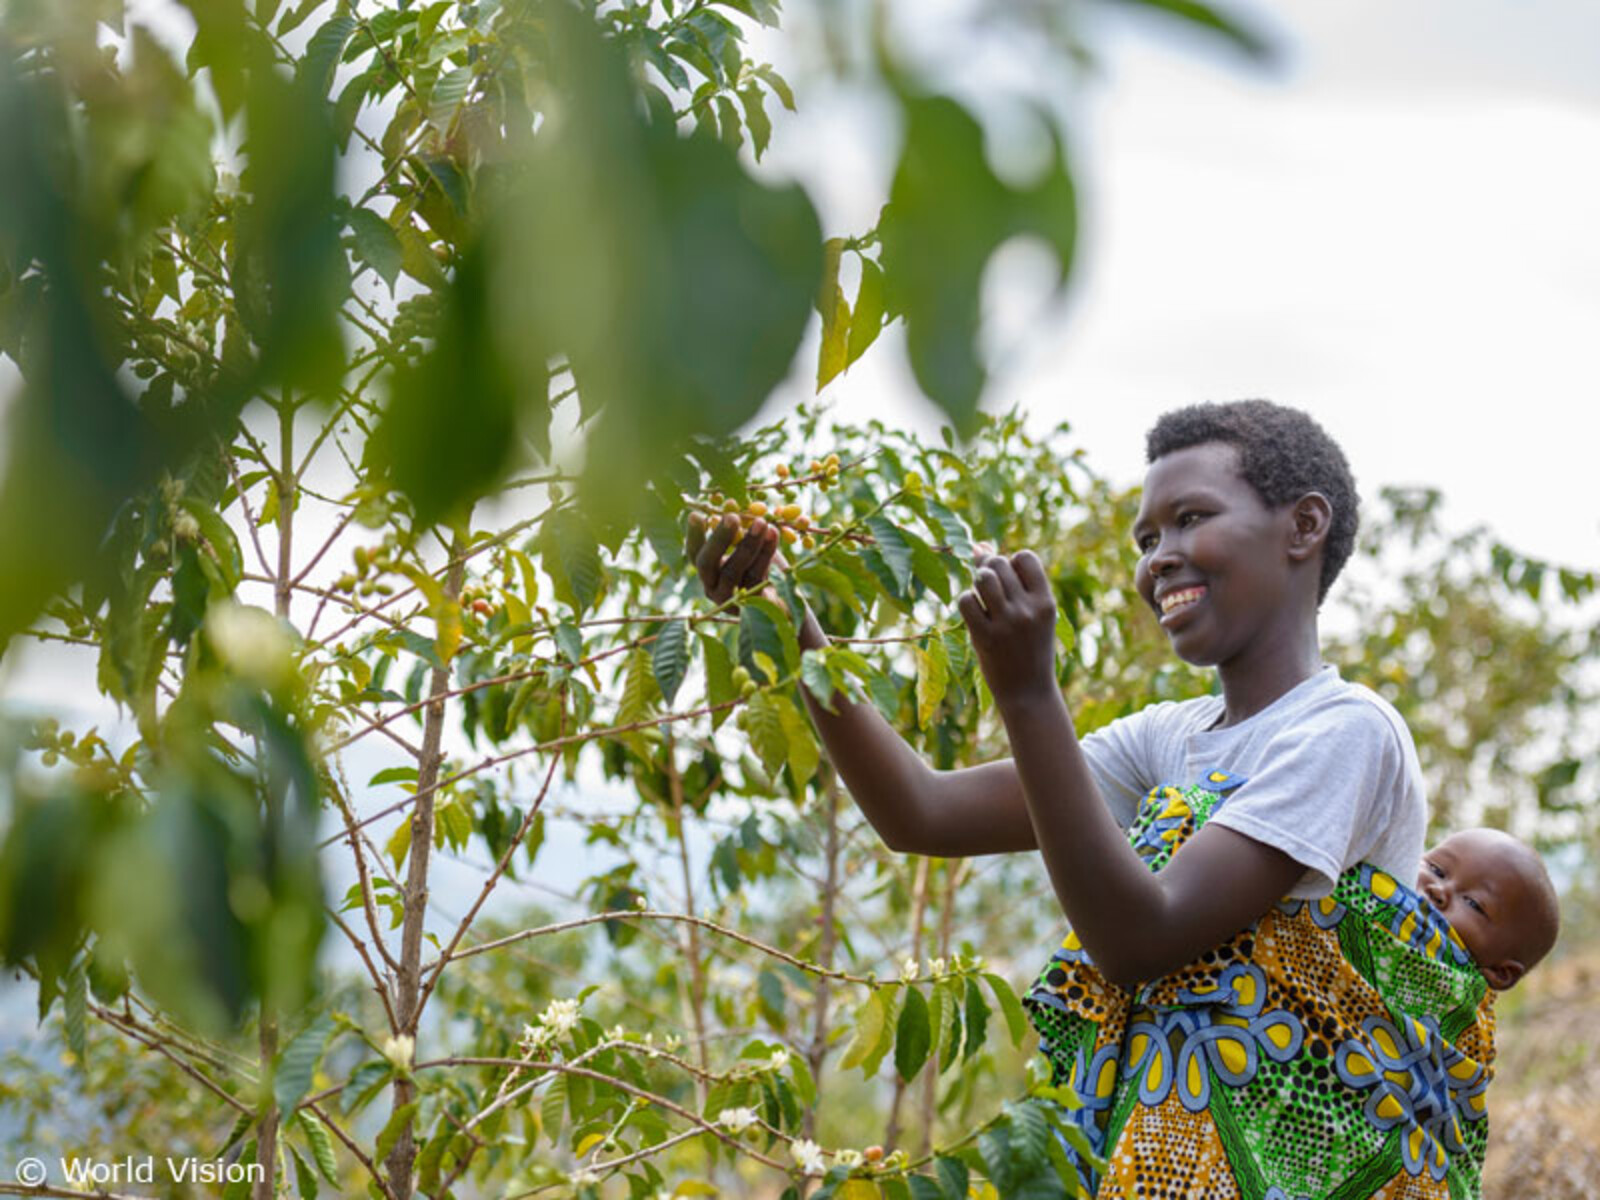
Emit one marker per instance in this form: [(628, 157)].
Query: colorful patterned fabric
[(1338, 1047)]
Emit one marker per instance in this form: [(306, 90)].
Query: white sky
[(1393, 229)]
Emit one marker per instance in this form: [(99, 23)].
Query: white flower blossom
[(909, 970), (533, 1038), (936, 966), (399, 1050), (809, 1155), (779, 1060), (848, 1158), (583, 1176), (737, 1120), (560, 1016)]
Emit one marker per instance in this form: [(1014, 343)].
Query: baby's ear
[(1503, 974)]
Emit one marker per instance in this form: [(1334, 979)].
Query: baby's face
[(1474, 883)]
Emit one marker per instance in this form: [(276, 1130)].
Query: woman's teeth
[(1176, 600)]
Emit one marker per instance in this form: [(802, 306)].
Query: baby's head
[(1498, 898)]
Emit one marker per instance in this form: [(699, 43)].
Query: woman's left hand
[(1011, 616)]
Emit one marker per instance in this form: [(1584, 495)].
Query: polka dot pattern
[(1340, 1045)]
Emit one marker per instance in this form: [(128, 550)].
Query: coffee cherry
[(873, 1154), (730, 506), (790, 537), (482, 607), (789, 512), (783, 470), (808, 542), (756, 508), (741, 676)]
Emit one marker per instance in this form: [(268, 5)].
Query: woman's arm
[(915, 809), (1135, 925)]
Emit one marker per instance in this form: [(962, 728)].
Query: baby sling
[(1338, 1047)]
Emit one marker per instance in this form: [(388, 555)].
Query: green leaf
[(719, 676), (399, 1121), (818, 680), (871, 1032), (947, 214), (977, 1019), (764, 723), (868, 319), (451, 429), (446, 97), (755, 118), (760, 634), (913, 1037), (1030, 1136), (393, 775), (321, 1145), (803, 754), (769, 990), (376, 244), (835, 310), (553, 1108), (75, 1008), (998, 1159), (638, 688), (305, 1178), (953, 1176), (669, 658), (572, 557), (298, 1062), (399, 844), (933, 678), (1238, 34), (323, 52), (924, 1188), (1010, 1007), (892, 548)]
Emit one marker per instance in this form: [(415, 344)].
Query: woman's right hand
[(723, 572)]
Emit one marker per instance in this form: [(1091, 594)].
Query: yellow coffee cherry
[(808, 542), (802, 522), (790, 537), (730, 506), (789, 512), (832, 461), (756, 508), (783, 470)]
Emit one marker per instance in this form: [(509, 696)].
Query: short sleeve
[(1322, 791), (1132, 754)]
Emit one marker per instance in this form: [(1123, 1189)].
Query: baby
[(1497, 896)]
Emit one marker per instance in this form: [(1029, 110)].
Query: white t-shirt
[(1330, 771)]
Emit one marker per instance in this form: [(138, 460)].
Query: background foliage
[(377, 360)]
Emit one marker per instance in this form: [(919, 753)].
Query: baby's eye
[(1146, 543), (1434, 867), (1472, 904)]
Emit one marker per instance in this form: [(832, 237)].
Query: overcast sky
[(1394, 228)]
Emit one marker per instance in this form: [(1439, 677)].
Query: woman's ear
[(1503, 974), (1312, 515)]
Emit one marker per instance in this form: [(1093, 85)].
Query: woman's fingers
[(971, 609), (767, 548), (986, 583), (1029, 571), (709, 561), (738, 564)]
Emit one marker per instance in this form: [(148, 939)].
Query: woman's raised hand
[(723, 572), (1011, 615)]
